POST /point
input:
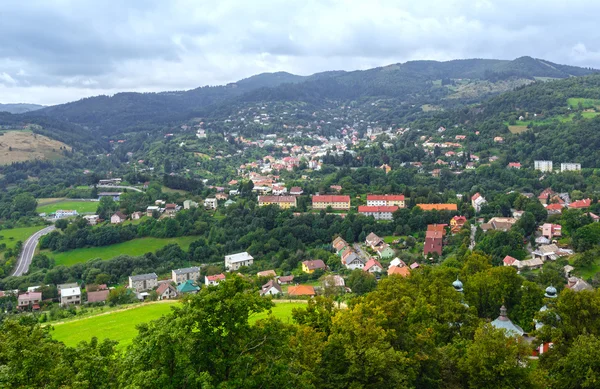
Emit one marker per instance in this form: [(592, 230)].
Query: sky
[(55, 51)]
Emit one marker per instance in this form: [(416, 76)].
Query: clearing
[(19, 146), (121, 325), (517, 129), (13, 235), (585, 103), (81, 206), (133, 247)]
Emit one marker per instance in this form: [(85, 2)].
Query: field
[(120, 325), (80, 206), (12, 236), (132, 247), (19, 146), (586, 103), (517, 129)]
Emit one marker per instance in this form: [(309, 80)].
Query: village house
[(166, 291), (373, 240), (29, 300), (477, 201), (401, 271), (514, 165), (457, 223), (189, 273), (580, 204), (235, 261), (151, 209), (70, 296), (380, 212), (373, 266), (136, 215), (550, 230), (187, 287), (385, 251), (310, 266), (221, 196), (266, 273), (271, 288), (550, 252), (284, 202), (171, 209), (143, 282), (92, 219), (351, 260), (214, 279), (97, 296), (386, 200), (296, 191), (438, 207), (301, 290), (335, 202), (285, 280), (554, 209), (499, 224), (117, 218), (339, 244), (433, 242), (211, 203), (189, 204)]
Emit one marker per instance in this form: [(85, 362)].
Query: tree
[(580, 367), (62, 224), (24, 204), (361, 282), (106, 207)]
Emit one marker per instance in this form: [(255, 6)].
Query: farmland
[(585, 103), (12, 236), (19, 146), (133, 247), (120, 325), (48, 207)]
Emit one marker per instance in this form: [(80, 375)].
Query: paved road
[(120, 187), (473, 231), (28, 251)]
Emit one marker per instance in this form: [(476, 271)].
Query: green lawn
[(120, 325), (79, 206), (12, 236), (132, 247), (585, 272), (586, 103)]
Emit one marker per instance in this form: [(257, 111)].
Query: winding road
[(29, 250)]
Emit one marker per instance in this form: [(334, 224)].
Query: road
[(120, 187), (473, 231), (361, 253), (29, 250)]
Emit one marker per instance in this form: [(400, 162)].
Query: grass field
[(12, 236), (132, 247), (517, 129), (19, 146), (79, 206), (120, 325), (586, 103)]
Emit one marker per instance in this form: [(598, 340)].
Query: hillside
[(417, 82), (20, 146), (19, 108)]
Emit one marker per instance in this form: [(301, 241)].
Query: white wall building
[(211, 203), (235, 261), (70, 296), (565, 167), (61, 213), (543, 166)]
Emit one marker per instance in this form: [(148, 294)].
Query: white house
[(143, 282), (211, 203), (478, 201), (92, 219), (543, 166), (373, 266), (564, 167), (271, 288), (151, 209), (118, 218), (214, 279), (61, 213), (70, 296), (235, 261)]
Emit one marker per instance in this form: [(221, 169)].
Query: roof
[(97, 296), (271, 284), (120, 214), (286, 278), (277, 199), (30, 296), (187, 270), (187, 287), (504, 322), (162, 287), (508, 260), (301, 290), (330, 199), (380, 208), (397, 262), (372, 239), (266, 273), (577, 284), (438, 207), (314, 264), (475, 196), (216, 277), (142, 277), (370, 263), (459, 219), (386, 197), (554, 207), (403, 271), (437, 228), (68, 292), (585, 203), (68, 285), (239, 257), (296, 189)]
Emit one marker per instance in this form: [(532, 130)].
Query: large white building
[(60, 213), (564, 167), (143, 282), (182, 275), (235, 261), (70, 296), (543, 166)]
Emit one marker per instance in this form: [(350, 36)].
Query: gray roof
[(142, 277), (504, 322), (186, 270), (68, 285)]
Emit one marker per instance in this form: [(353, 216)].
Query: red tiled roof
[(508, 260), (315, 264), (301, 290), (97, 296), (370, 263), (386, 197), (439, 207), (216, 277), (377, 208), (331, 199), (554, 207), (581, 203), (475, 196), (403, 271)]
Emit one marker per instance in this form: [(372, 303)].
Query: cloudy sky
[(54, 51)]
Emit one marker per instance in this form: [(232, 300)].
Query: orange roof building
[(438, 207), (301, 290), (402, 271)]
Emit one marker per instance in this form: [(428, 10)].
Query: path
[(473, 231), (120, 187), (29, 250)]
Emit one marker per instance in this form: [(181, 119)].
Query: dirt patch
[(19, 146)]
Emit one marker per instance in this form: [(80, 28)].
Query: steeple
[(458, 286), (504, 322), (551, 292)]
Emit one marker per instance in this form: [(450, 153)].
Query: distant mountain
[(413, 83), (19, 108)]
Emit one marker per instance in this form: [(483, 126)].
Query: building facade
[(379, 212), (235, 261), (335, 202), (143, 282), (543, 166), (181, 275), (386, 200), (566, 167), (283, 202)]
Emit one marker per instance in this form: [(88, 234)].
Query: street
[(29, 250)]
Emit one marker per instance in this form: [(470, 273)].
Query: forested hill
[(19, 108), (418, 82)]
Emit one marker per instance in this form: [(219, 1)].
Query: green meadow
[(79, 206), (13, 235)]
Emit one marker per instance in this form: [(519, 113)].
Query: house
[(543, 166), (301, 290), (580, 204), (211, 203), (214, 279), (373, 240), (477, 201), (296, 191), (437, 227), (577, 284), (285, 280), (284, 202), (550, 252), (29, 300), (136, 215), (117, 218), (92, 219), (187, 287), (336, 188), (457, 223), (373, 266), (62, 213), (438, 207), (414, 265), (116, 196), (514, 165), (386, 200), (60, 287), (385, 251), (335, 202), (595, 218), (433, 242), (550, 230), (70, 296), (338, 244), (189, 273), (498, 139), (395, 270), (166, 291), (171, 209), (510, 261), (267, 273), (381, 212), (499, 224), (271, 288), (333, 281), (97, 296), (310, 266), (189, 204), (545, 196), (143, 282), (554, 209), (352, 261), (221, 196), (151, 209), (397, 262), (566, 167), (235, 261)]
